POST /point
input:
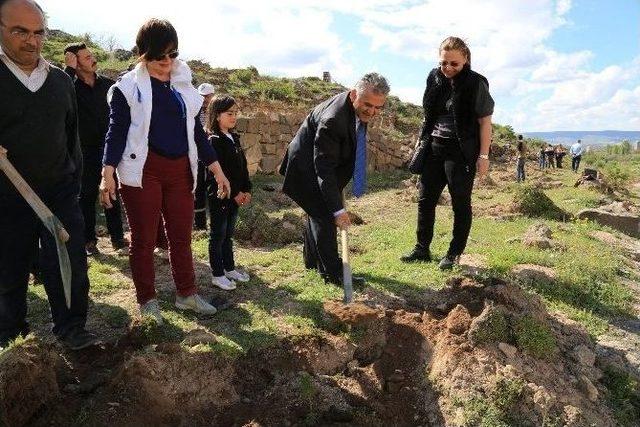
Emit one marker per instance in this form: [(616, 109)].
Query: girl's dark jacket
[(466, 87), (233, 163)]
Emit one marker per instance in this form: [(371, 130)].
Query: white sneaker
[(151, 310), (196, 303), (224, 283), (236, 275)]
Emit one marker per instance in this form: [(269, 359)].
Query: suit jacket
[(320, 159)]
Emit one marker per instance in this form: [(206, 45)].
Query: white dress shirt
[(32, 82)]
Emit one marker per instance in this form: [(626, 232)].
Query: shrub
[(243, 76)]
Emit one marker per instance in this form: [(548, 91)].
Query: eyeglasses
[(23, 34), (172, 55), (452, 64)]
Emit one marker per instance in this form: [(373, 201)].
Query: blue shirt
[(167, 131)]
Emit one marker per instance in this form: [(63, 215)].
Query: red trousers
[(166, 188)]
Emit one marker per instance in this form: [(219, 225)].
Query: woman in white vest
[(154, 143)]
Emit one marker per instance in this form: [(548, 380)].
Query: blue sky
[(551, 64)]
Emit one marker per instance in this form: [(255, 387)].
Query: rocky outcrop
[(627, 223)]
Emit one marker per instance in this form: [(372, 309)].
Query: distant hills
[(601, 137)]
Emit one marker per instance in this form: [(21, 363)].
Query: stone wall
[(266, 134)]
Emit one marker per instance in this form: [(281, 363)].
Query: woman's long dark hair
[(219, 104)]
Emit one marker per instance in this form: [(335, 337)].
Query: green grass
[(534, 337), (623, 394)]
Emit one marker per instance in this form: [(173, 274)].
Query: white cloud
[(536, 86)]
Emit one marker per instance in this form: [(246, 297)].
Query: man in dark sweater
[(39, 133), (93, 115)]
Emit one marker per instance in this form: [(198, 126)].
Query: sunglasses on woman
[(452, 64), (172, 55)]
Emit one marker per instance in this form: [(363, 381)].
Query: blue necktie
[(360, 170)]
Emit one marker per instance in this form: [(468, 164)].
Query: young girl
[(220, 121)]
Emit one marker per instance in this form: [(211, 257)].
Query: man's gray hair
[(373, 82)]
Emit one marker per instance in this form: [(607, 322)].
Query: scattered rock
[(588, 388), (532, 273), (572, 416), (199, 336), (583, 355), (508, 350), (491, 325), (458, 320)]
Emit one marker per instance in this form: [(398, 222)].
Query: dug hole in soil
[(457, 359)]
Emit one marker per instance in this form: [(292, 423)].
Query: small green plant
[(615, 176), (623, 393), (534, 337), (507, 392)]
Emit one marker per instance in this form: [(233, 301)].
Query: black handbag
[(416, 164)]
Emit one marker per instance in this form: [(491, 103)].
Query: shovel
[(49, 220), (347, 282)]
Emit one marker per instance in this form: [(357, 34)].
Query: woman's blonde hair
[(456, 43)]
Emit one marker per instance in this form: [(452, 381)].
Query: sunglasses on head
[(172, 55)]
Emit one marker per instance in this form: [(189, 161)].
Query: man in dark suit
[(330, 148)]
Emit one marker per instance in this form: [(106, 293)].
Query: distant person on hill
[(542, 157), (576, 152), (93, 120), (551, 156), (154, 140), (329, 148), (457, 128), (220, 122), (560, 152), (39, 133), (200, 195), (521, 155)]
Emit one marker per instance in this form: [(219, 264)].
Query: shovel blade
[(57, 229)]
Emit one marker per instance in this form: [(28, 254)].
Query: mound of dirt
[(475, 353), (27, 382), (533, 202), (255, 226)]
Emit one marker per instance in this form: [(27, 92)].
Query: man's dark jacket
[(93, 109), (320, 159)]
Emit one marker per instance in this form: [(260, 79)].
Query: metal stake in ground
[(50, 221), (346, 266)]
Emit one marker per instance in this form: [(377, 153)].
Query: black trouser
[(91, 175), (200, 199), (575, 163), (445, 166), (20, 230), (320, 248), (223, 223)]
